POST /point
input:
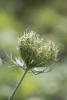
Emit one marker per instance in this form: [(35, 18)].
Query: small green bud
[(35, 52)]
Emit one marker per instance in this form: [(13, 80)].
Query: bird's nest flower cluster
[(37, 55)]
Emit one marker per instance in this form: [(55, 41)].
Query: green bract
[(35, 52)]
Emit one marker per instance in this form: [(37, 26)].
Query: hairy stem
[(12, 95)]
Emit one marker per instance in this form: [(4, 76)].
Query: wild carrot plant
[(37, 55)]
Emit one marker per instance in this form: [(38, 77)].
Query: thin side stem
[(12, 95)]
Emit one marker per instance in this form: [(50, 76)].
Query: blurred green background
[(49, 19)]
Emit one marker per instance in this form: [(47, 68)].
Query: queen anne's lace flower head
[(36, 52), (37, 55)]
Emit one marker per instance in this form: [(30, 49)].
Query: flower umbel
[(36, 55), (36, 52)]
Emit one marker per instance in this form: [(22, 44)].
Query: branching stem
[(12, 95)]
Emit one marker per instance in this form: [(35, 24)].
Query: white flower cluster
[(37, 53)]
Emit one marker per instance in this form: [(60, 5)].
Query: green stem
[(12, 95)]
